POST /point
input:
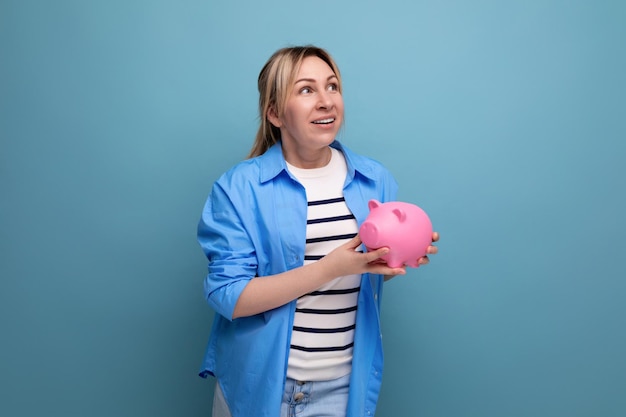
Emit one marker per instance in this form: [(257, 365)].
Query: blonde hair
[(275, 83)]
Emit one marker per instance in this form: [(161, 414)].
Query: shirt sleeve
[(229, 250)]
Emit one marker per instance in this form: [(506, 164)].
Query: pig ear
[(400, 214), (372, 204)]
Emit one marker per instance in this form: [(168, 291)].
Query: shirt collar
[(272, 163)]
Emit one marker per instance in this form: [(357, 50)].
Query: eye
[(333, 87), (305, 90)]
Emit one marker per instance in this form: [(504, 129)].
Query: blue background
[(503, 119)]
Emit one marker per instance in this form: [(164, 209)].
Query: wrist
[(326, 270)]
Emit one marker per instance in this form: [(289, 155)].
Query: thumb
[(355, 242), (375, 254)]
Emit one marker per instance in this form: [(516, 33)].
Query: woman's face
[(313, 111)]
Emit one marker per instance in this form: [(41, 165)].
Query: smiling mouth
[(324, 121)]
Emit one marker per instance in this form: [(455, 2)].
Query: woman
[(297, 302)]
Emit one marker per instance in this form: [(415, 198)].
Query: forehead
[(313, 67)]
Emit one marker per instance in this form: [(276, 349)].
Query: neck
[(308, 159)]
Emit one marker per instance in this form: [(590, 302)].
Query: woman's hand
[(346, 260), (431, 250)]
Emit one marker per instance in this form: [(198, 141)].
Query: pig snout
[(369, 235)]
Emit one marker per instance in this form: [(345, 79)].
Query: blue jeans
[(315, 399), (302, 399)]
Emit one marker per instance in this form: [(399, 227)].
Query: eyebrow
[(311, 80)]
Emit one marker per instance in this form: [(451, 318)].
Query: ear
[(372, 204), (273, 117), (400, 214)]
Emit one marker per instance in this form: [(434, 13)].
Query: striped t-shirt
[(324, 322)]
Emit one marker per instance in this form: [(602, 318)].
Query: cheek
[(339, 106), (287, 119), (294, 115)]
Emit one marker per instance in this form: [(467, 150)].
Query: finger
[(384, 269), (376, 254), (435, 236), (431, 250), (423, 260), (354, 243)]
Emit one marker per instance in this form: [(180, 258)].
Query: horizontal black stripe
[(322, 349), (318, 257), (329, 201), (318, 330), (320, 311), (336, 292), (330, 219), (330, 238)]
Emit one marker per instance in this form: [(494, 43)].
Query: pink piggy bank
[(404, 228)]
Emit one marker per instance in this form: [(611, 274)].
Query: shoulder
[(257, 170), (250, 176), (365, 165), (242, 172)]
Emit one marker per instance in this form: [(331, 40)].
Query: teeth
[(324, 121)]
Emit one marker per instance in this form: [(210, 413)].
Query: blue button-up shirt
[(253, 224)]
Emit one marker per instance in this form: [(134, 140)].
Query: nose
[(325, 100)]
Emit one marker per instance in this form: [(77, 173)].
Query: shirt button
[(298, 396)]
